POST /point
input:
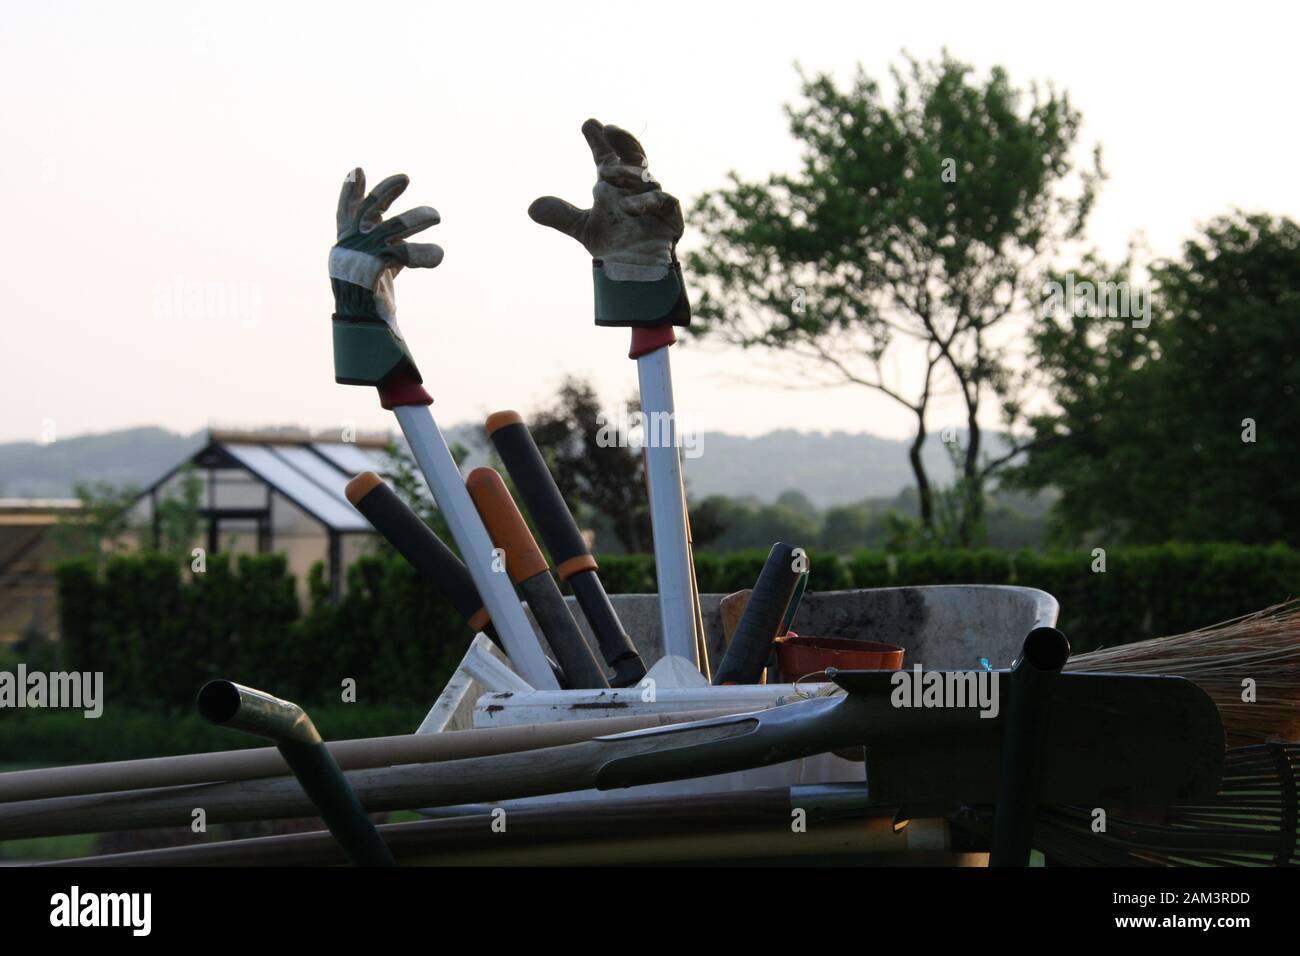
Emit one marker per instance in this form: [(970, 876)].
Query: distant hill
[(830, 469), (134, 456)]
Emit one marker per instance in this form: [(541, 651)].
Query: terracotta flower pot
[(806, 658)]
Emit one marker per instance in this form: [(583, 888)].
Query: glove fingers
[(601, 151), (558, 214), (380, 198), (626, 176), (627, 146), (417, 255), (354, 188), (645, 204), (407, 224)]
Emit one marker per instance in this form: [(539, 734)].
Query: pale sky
[(155, 148)]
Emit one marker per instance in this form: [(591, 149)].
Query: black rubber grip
[(626, 662), (533, 480), (417, 543), (561, 632), (425, 551), (522, 458), (750, 646)]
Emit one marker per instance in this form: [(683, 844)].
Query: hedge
[(1143, 592), (158, 634)]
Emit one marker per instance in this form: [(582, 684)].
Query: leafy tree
[(1183, 430), (849, 528), (797, 502), (592, 464), (750, 524), (101, 523), (179, 517), (920, 220)]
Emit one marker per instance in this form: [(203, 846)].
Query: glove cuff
[(366, 352), (641, 304)]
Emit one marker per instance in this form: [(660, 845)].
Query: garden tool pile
[(914, 776)]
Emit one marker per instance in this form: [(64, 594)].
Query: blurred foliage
[(1146, 442), (592, 462), (1011, 522), (99, 526)]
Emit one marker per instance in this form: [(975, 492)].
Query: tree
[(848, 528), (100, 524), (1183, 430), (592, 463), (923, 220), (180, 515), (746, 523)]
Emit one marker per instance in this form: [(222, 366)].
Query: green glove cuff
[(638, 304), (366, 352)]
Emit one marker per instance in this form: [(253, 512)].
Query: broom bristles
[(1263, 646), (1251, 822)]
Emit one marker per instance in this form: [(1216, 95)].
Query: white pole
[(448, 487), (667, 508)]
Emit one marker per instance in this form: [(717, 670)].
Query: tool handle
[(618, 651), (522, 458), (731, 609), (416, 542), (647, 340), (527, 568), (751, 645), (561, 630), (793, 608), (573, 560), (1024, 743), (505, 525)]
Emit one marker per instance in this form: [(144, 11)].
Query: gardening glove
[(631, 231), (368, 346)]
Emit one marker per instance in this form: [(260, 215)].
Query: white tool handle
[(667, 508), (498, 594)]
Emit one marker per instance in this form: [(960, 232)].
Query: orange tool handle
[(505, 525)]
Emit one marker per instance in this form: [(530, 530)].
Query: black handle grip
[(750, 646), (1024, 745), (561, 631), (415, 541), (619, 653), (522, 458), (425, 551), (573, 561)]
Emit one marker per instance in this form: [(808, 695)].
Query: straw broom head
[(1250, 667)]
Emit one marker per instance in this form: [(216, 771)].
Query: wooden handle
[(732, 608), (505, 525)]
